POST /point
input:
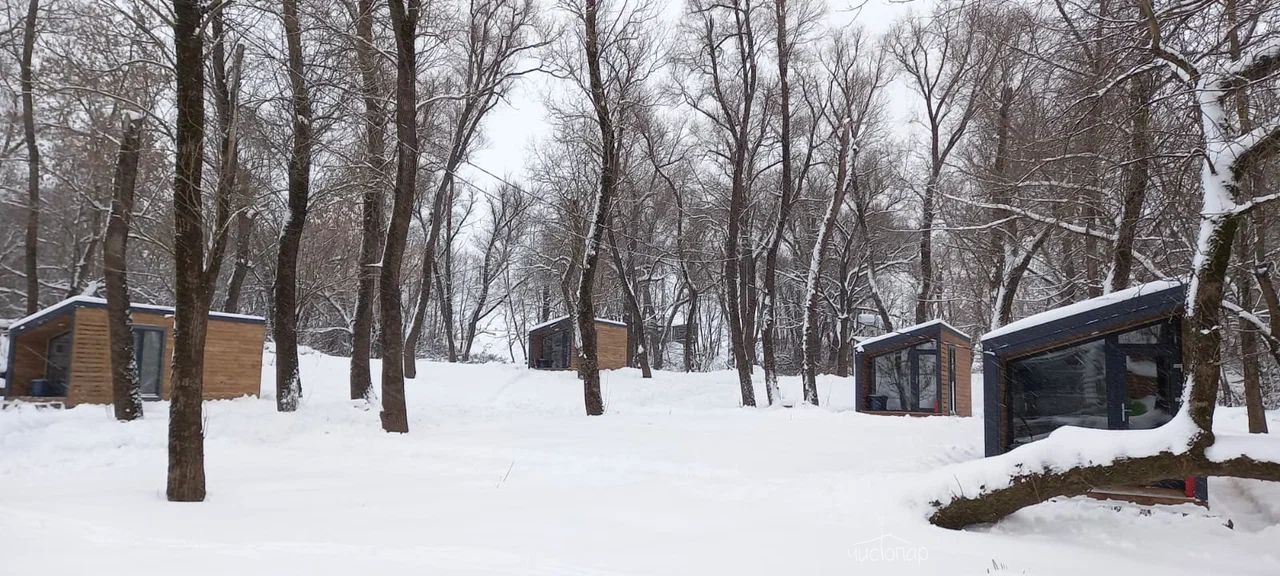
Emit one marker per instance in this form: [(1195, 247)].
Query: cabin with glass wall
[(551, 345), (1112, 362), (922, 370)]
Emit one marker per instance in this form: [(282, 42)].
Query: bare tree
[(32, 240), (404, 23), (944, 62), (186, 428), (788, 37), (588, 366), (850, 106), (371, 227), (284, 325), (126, 394), (499, 33), (729, 102), (244, 233), (507, 210)]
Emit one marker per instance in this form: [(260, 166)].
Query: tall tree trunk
[(226, 89), (1256, 411), (441, 216), (691, 330), (925, 299), (544, 308), (31, 248), (1248, 337), (633, 305), (767, 332), (371, 232), (84, 264), (285, 320), (810, 338), (186, 433), (443, 282), (737, 268), (404, 22), (1007, 234), (588, 366), (1141, 89), (419, 319), (126, 395), (244, 233), (488, 275)]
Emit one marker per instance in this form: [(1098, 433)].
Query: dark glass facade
[(1125, 380), (906, 380)]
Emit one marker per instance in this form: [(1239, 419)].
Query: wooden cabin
[(551, 345), (922, 370), (62, 354), (1112, 362)]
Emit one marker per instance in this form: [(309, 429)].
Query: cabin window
[(1123, 380), (1059, 388), (555, 350), (148, 359), (906, 380)]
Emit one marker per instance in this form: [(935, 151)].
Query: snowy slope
[(501, 474)]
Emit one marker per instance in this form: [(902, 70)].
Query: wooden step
[(1145, 495)]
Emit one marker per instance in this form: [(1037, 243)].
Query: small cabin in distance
[(921, 370), (551, 345), (1112, 362), (61, 354)]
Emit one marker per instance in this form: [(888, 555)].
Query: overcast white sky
[(516, 125)]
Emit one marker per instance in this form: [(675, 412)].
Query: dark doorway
[(148, 359), (58, 360)]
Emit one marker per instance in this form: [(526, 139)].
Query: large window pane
[(906, 380), (892, 381), (1058, 388)]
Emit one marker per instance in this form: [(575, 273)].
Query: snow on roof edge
[(1082, 307), (19, 323), (561, 318), (901, 331)]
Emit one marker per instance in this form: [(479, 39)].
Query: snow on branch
[(1065, 449), (1037, 217)]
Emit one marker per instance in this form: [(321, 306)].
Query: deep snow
[(502, 474)]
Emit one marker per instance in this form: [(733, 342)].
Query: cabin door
[(1145, 370), (58, 359), (924, 380), (148, 359)]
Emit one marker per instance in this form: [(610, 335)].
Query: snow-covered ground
[(502, 474)]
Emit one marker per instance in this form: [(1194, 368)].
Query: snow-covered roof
[(907, 330), (1082, 307), (92, 301), (562, 318)]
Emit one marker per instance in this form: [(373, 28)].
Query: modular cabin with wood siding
[(922, 370), (551, 345), (62, 353)]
